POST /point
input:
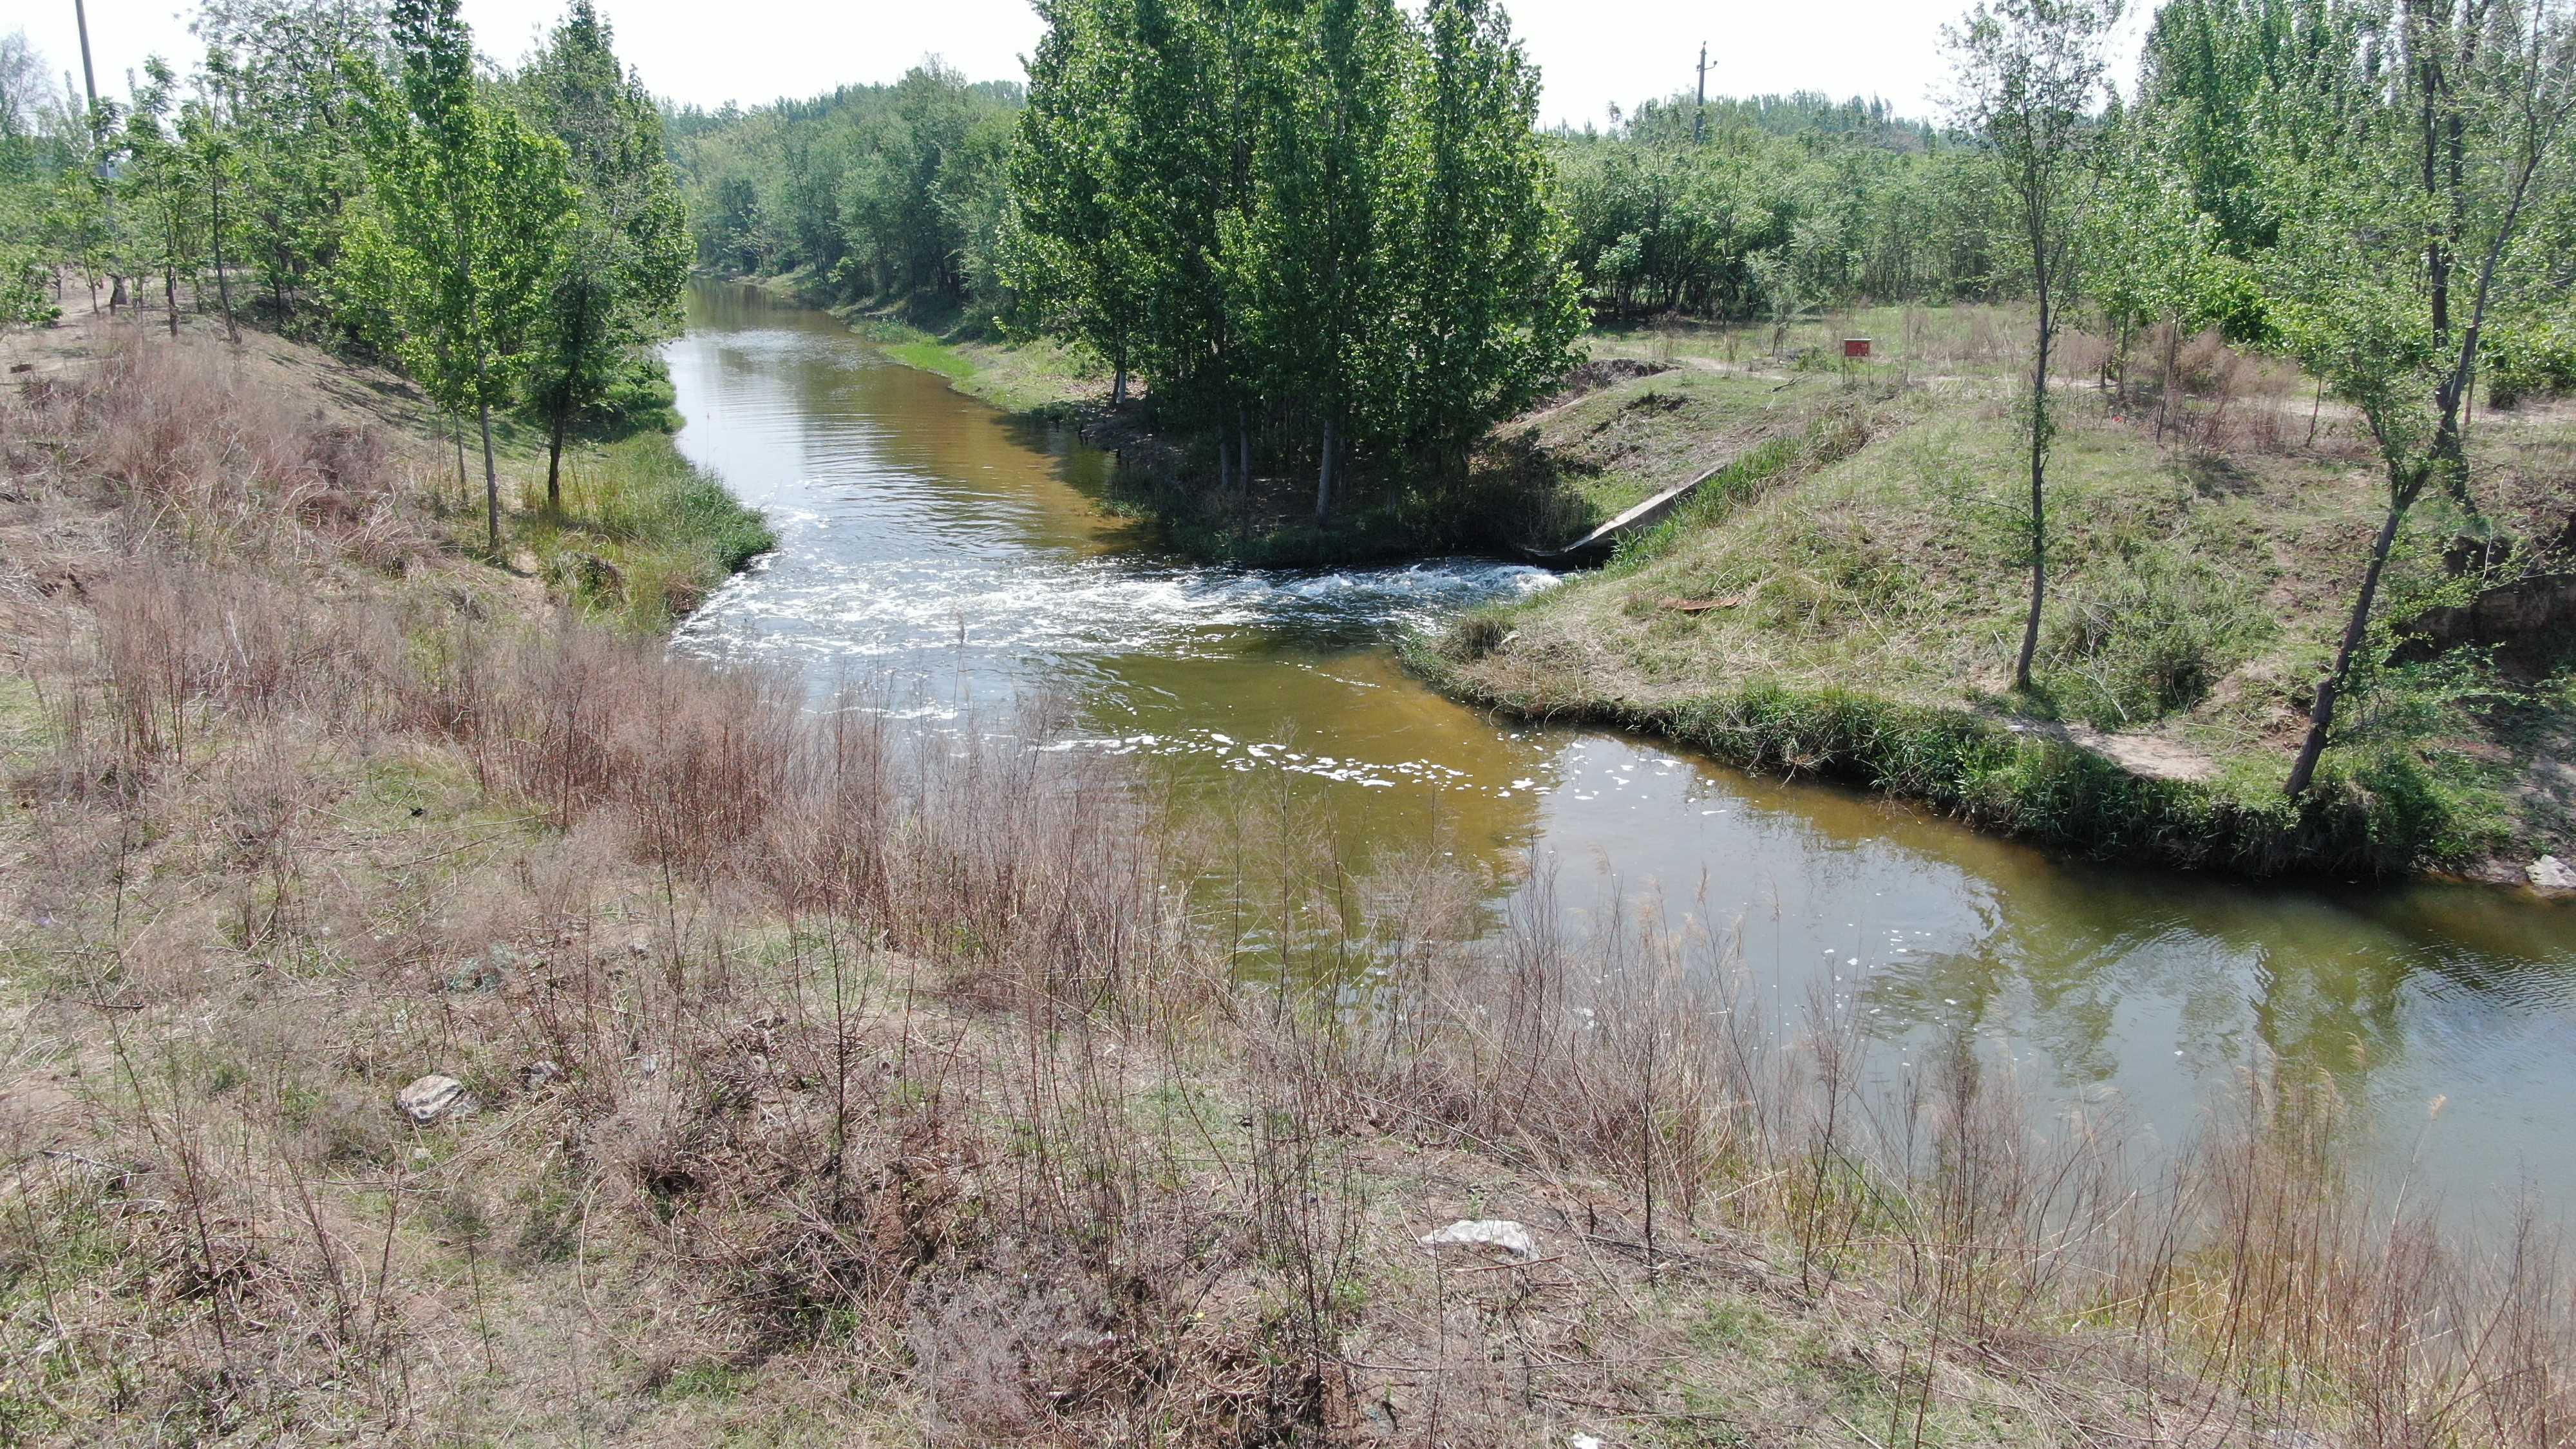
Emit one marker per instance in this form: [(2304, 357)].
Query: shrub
[(2150, 638), (2531, 360)]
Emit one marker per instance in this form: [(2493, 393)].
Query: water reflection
[(928, 541)]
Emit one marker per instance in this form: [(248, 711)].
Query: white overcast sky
[(1592, 53)]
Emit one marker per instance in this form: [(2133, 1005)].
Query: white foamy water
[(930, 615)]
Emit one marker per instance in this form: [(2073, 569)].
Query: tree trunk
[(1324, 475), (491, 477), (554, 460), (223, 285), (1118, 386), (2451, 446), (2321, 713), (115, 292), (2172, 364), (170, 293), (2038, 500)]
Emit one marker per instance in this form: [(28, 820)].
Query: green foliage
[(1782, 205), (2150, 638), (469, 208), (2236, 86), (291, 116), (872, 190), (1325, 230), (2474, 133), (2533, 357), (622, 259), (23, 296)]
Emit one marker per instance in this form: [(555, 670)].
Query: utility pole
[(98, 139), (89, 77), (1699, 121)]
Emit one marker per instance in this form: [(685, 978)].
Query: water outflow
[(957, 561)]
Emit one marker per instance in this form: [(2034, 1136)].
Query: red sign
[(1855, 347)]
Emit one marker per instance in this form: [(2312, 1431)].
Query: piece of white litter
[(1584, 1441), (1500, 1233), (431, 1097)]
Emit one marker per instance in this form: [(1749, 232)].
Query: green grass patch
[(644, 534), (2373, 812)]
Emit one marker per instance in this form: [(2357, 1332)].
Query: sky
[(1592, 54)]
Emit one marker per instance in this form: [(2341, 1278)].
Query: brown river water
[(937, 549)]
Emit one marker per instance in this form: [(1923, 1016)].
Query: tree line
[(355, 174)]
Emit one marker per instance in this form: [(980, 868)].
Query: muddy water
[(957, 561)]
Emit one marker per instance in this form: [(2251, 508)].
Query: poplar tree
[(1496, 302), (2030, 74), (1320, 248), (2399, 248), (469, 209), (624, 254), (1074, 237)]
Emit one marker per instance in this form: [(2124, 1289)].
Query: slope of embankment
[(1846, 597)]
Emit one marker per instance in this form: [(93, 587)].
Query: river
[(956, 561)]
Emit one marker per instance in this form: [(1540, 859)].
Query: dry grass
[(838, 1083)]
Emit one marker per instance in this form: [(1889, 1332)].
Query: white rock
[(2552, 874), (1585, 1441), (430, 1098), (1500, 1233)]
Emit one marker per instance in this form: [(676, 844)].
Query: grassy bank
[(643, 536), (1038, 377), (1846, 596), (826, 1083)]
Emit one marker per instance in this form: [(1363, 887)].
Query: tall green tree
[(469, 209), (33, 186), (1075, 243), (2399, 249), (624, 256), (293, 117), (207, 147), (2031, 77), (1317, 257), (2150, 248), (165, 211), (1495, 305)]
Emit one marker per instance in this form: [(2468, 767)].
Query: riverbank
[(641, 538), (1845, 597), (812, 1084), (1842, 597)]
